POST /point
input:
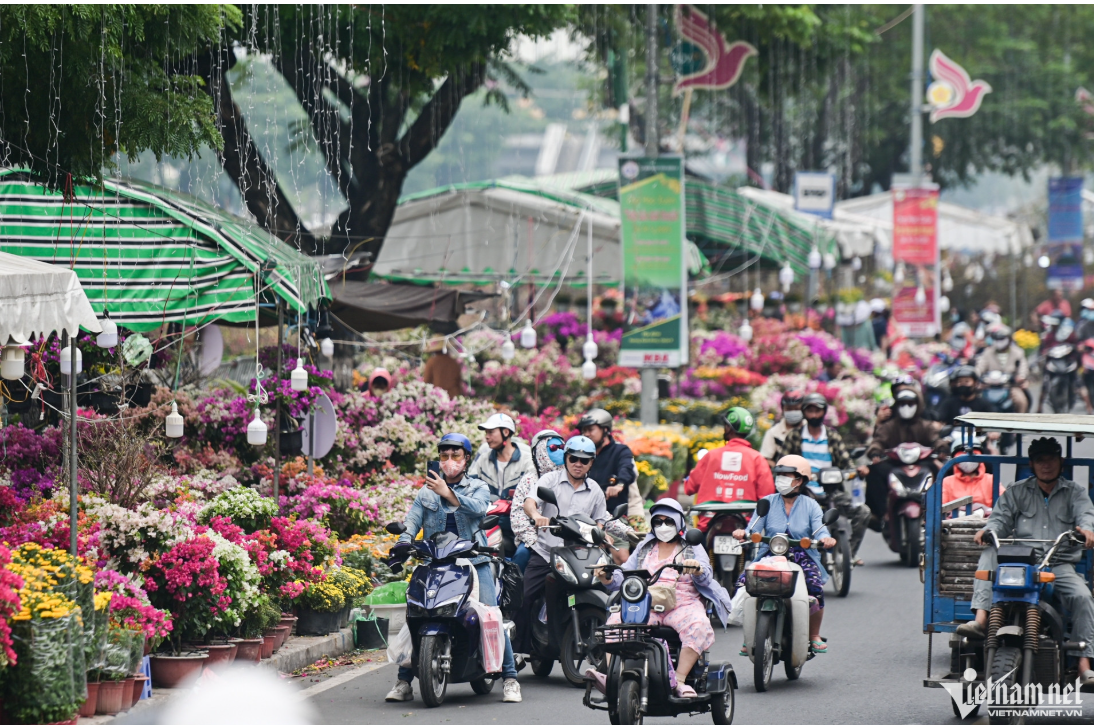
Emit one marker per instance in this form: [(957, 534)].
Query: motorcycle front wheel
[(434, 660), (483, 685), (911, 541), (542, 668), (763, 658), (721, 707), (841, 566), (573, 664), (628, 706)]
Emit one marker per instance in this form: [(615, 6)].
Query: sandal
[(858, 562), (683, 690), (744, 650), (819, 646)]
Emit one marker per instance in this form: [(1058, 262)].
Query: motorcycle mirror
[(830, 517), (620, 511), (396, 528), (597, 535), (546, 495), (694, 537), (858, 452), (763, 507), (489, 522)]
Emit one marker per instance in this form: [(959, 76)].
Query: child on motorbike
[(665, 545), (799, 516)]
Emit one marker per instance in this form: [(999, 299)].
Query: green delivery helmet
[(740, 421)]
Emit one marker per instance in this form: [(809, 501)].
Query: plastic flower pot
[(110, 697), (219, 654), (312, 622), (127, 692), (249, 650), (92, 701), (268, 642), (170, 671), (292, 442), (138, 688)]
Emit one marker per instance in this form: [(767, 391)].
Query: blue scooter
[(642, 654), (443, 626)]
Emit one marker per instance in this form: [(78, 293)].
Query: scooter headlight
[(564, 570), (1011, 576), (779, 545), (634, 589)]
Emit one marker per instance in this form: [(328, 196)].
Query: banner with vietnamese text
[(1064, 247), (915, 256)]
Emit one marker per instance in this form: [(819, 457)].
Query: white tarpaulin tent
[(959, 229), (858, 236), (37, 298)]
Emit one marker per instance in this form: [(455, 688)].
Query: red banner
[(915, 254)]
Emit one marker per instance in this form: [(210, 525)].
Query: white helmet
[(499, 420)]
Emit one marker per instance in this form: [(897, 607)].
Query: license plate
[(571, 600), (726, 545)]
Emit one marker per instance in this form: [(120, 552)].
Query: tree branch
[(436, 116)]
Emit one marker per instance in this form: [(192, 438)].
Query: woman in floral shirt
[(547, 456)]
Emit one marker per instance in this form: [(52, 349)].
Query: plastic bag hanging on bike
[(511, 596), (492, 630), (737, 610), (400, 650)]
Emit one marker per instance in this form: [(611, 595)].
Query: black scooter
[(837, 560), (574, 604)]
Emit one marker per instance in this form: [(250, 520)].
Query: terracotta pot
[(169, 671), (73, 721), (92, 701), (282, 634), (110, 697), (268, 642), (220, 654), (127, 693), (138, 688), (249, 650), (289, 620)]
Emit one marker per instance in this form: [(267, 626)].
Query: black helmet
[(794, 396), (1045, 447), (964, 371), (815, 399), (596, 416)]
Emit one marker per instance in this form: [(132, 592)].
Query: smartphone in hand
[(435, 467)]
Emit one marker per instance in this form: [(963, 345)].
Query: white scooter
[(776, 606)]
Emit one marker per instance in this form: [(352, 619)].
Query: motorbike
[(641, 657), (838, 560), (727, 555), (501, 536), (1059, 377), (574, 604), (936, 381), (776, 608), (444, 625), (996, 386), (1086, 347), (909, 479)]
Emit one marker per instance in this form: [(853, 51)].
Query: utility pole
[(915, 155), (648, 411)]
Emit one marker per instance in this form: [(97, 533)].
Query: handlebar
[(1069, 537)]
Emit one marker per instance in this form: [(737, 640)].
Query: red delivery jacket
[(734, 472)]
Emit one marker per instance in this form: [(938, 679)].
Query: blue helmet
[(455, 440), (580, 447)]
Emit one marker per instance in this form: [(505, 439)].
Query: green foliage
[(83, 83)]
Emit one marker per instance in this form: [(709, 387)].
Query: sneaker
[(402, 692), (972, 630), (510, 691)]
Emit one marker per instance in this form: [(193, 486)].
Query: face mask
[(906, 412), (556, 456), (1002, 345), (815, 422), (452, 468), (1087, 314), (958, 342), (793, 417), (785, 485), (964, 391), (665, 533), (969, 466)]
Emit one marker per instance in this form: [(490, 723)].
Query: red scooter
[(909, 479)]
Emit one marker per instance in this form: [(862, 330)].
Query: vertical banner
[(815, 193), (1065, 233), (915, 251), (651, 199)]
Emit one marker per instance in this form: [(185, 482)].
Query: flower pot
[(110, 697), (292, 442), (282, 631), (92, 701), (138, 688), (169, 671), (127, 693), (343, 616), (290, 621), (219, 654), (268, 642), (249, 650), (312, 622), (139, 395)]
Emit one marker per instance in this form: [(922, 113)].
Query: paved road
[(873, 673)]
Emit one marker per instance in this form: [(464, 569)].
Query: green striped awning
[(152, 255)]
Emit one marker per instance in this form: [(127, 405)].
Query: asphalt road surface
[(872, 673)]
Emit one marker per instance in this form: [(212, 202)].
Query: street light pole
[(916, 151), (648, 413)]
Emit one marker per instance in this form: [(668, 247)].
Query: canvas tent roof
[(375, 307), (857, 235), (153, 255), (39, 299)]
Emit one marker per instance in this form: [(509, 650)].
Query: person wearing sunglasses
[(455, 501), (614, 467), (548, 456), (576, 493)]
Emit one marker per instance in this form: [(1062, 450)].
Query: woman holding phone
[(453, 501)]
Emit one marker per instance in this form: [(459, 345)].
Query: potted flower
[(320, 607), (246, 508)]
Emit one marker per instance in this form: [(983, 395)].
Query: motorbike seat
[(668, 634)]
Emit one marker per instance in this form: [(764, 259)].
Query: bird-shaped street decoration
[(952, 93), (724, 62)]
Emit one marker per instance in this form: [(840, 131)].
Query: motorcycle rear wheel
[(628, 705), (841, 566), (763, 658), (542, 668), (483, 685), (587, 621), (433, 678)]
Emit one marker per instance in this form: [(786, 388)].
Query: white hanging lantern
[(1043, 261), (66, 360), (745, 332), (109, 336), (298, 378), (947, 282), (590, 350), (256, 431), (11, 362), (829, 261), (588, 369), (174, 422), (815, 259), (528, 336), (786, 277), (1027, 259), (326, 346), (943, 304), (508, 350), (856, 263), (756, 301), (920, 296), (898, 274)]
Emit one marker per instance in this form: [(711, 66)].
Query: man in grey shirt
[(1042, 507)]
